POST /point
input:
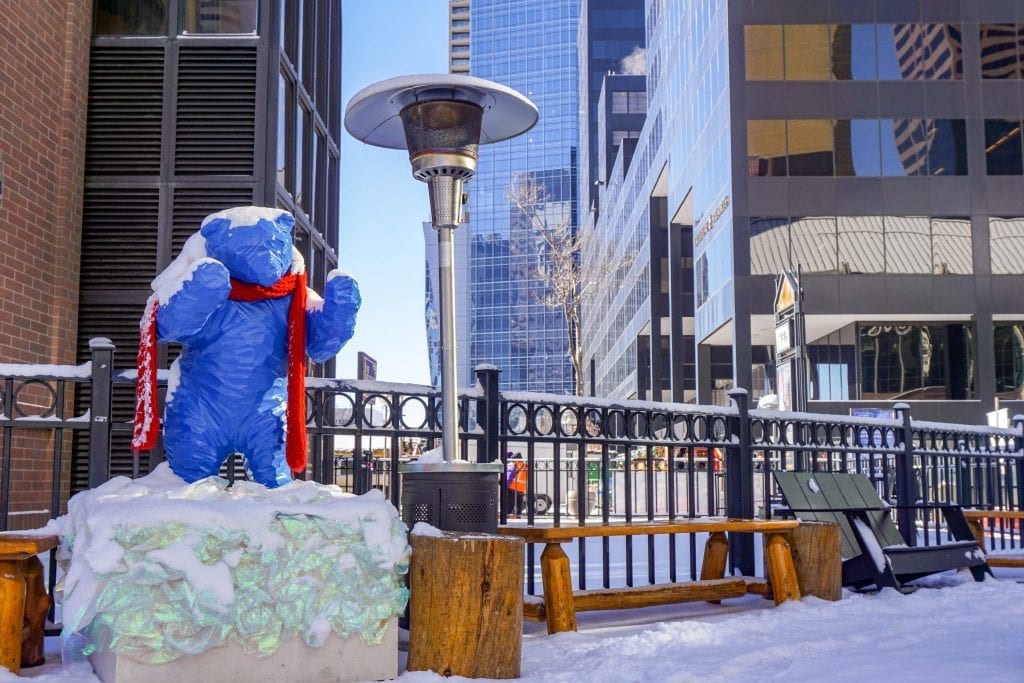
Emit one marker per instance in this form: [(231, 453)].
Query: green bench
[(874, 552)]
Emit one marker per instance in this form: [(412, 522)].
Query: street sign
[(784, 336), (366, 367), (784, 384)]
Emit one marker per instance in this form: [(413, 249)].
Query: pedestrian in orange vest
[(515, 478)]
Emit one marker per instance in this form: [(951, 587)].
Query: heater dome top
[(372, 115)]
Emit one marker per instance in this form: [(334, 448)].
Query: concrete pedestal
[(339, 660)]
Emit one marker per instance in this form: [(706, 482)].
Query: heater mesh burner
[(453, 171)]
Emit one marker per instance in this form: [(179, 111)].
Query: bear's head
[(254, 243)]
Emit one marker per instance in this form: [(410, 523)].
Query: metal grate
[(125, 111), (216, 111), (416, 512), (119, 239), (469, 514)]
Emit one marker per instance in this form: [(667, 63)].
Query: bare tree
[(575, 268)]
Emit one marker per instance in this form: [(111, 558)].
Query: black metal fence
[(588, 460)]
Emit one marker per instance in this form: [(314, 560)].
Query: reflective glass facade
[(873, 147), (530, 46)]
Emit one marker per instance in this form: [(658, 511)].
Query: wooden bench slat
[(16, 547), (993, 514), (975, 519), (533, 608), (660, 594), (1005, 560), (536, 534)]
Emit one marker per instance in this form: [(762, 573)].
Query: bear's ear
[(285, 221), (215, 229)]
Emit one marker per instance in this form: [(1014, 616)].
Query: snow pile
[(962, 632), (160, 569)]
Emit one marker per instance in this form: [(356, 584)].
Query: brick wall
[(44, 75)]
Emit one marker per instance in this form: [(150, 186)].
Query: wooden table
[(976, 520), (23, 599), (561, 603)]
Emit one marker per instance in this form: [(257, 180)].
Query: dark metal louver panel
[(192, 204), (119, 237), (216, 115), (117, 322), (126, 87)]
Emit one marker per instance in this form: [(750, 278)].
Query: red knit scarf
[(147, 424)]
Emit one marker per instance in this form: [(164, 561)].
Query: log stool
[(466, 605), (23, 600)]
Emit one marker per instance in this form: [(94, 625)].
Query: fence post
[(490, 408), (102, 351), (739, 486), (1018, 424), (906, 519)]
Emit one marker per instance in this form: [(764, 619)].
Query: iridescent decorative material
[(159, 590)]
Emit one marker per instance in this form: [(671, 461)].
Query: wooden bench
[(561, 603), (976, 519), (23, 599)]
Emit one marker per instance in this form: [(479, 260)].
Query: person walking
[(515, 478)]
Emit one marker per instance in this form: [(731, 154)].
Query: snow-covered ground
[(951, 630)]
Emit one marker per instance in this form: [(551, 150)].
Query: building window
[(952, 250), (1003, 147), (220, 16), (766, 148), (282, 130), (808, 50), (1009, 359), (853, 245), (130, 18), (1002, 46), (809, 147), (823, 52), (1006, 244), (856, 147), (624, 102), (907, 245), (915, 361), (763, 46)]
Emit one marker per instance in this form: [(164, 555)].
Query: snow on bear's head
[(253, 242)]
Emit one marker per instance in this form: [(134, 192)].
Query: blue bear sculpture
[(228, 389)]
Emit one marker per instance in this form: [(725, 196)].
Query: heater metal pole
[(445, 212), (449, 388)]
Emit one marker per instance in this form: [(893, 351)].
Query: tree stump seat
[(23, 599)]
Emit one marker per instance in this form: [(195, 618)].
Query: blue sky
[(382, 206)]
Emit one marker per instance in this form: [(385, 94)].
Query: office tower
[(874, 148), (458, 36), (611, 40), (531, 47)]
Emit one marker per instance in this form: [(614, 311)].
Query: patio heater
[(442, 119)]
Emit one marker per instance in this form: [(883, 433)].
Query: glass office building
[(873, 147), (529, 46)]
